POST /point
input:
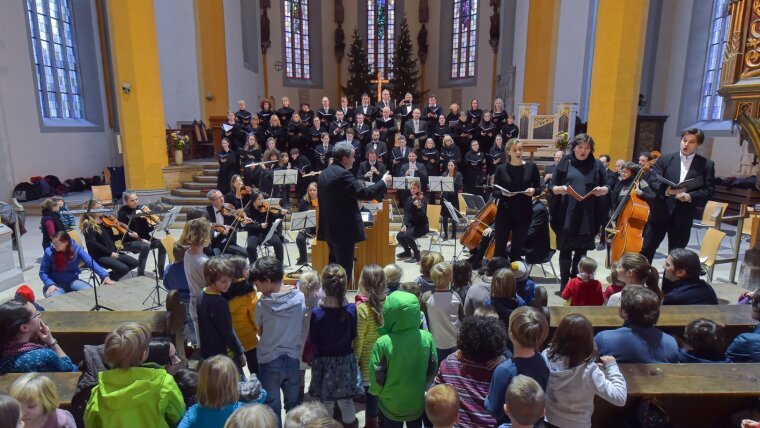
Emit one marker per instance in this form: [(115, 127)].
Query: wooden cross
[(379, 82)]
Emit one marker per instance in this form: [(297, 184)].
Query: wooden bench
[(736, 319), (65, 382), (74, 329), (693, 395)]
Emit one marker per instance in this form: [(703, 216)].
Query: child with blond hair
[(38, 396), (442, 406), (428, 260), (195, 235), (443, 309), (393, 276)]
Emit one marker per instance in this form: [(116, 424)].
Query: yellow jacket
[(242, 310), (366, 336)]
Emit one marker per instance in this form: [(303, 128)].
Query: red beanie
[(26, 292)]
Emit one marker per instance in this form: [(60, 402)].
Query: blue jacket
[(691, 292), (634, 344), (71, 271), (685, 356), (526, 289), (745, 348), (206, 417)]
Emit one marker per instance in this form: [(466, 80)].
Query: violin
[(152, 219), (313, 203), (112, 222), (246, 191), (266, 207)]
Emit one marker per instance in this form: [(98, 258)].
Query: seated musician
[(412, 168), (415, 223), (263, 216), (100, 239), (478, 254), (140, 242), (307, 203), (303, 165), (627, 175), (371, 169), (221, 216), (262, 176), (59, 268)]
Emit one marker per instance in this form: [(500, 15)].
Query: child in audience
[(616, 286), (128, 395), (480, 292), (218, 395), (638, 341), (334, 372), (175, 279), (577, 375), (393, 276), (524, 403), (279, 315), (195, 235), (305, 415), (528, 329), (403, 361), (746, 347), (309, 285), (461, 278), (214, 319), (504, 296), (429, 259), (442, 406), (369, 316), (414, 288), (242, 299), (10, 412), (526, 287), (38, 396), (707, 342), (443, 309), (253, 416), (584, 290), (634, 269), (187, 382)]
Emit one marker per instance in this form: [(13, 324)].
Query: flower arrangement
[(179, 141), (562, 141)]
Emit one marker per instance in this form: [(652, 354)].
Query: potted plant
[(562, 141), (179, 142)]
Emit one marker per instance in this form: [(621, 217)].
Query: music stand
[(474, 202), (301, 221), (163, 224), (285, 177), (403, 183), (441, 184), (460, 219)]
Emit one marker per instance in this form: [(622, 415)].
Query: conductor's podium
[(376, 249)]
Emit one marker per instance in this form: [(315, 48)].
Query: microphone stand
[(157, 303)]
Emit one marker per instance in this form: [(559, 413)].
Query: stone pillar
[(541, 54), (212, 58)]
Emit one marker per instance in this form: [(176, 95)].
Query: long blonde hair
[(218, 382), (196, 232), (372, 281)]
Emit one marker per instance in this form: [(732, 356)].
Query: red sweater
[(584, 293), (610, 290)]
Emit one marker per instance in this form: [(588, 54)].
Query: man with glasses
[(140, 242), (221, 219)]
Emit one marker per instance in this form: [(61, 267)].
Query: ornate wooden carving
[(265, 26), (751, 66), (422, 44), (340, 36), (424, 12), (495, 31)]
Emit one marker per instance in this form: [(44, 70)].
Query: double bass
[(625, 230)]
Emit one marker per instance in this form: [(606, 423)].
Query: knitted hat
[(25, 292), (250, 391), (520, 269)]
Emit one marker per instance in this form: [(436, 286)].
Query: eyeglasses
[(36, 315)]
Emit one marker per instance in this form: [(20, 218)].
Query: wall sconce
[(126, 87), (209, 96)]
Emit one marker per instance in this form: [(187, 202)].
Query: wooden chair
[(709, 249), (168, 242), (712, 216), (434, 226), (103, 194), (552, 251)]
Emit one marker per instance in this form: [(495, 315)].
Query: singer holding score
[(576, 212), (518, 181)]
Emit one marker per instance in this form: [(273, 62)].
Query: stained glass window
[(55, 58), (381, 36), (711, 104), (464, 38), (296, 28)]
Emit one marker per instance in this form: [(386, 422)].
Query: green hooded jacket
[(132, 398), (403, 359)]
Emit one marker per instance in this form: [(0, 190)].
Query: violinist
[(243, 117), (221, 216), (263, 174), (277, 132), (412, 168), (474, 163), (285, 113), (514, 210), (239, 195), (430, 158), (100, 238), (415, 223), (323, 152), (138, 239), (307, 203), (263, 216), (372, 169), (453, 198), (228, 166)]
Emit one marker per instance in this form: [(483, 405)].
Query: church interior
[(106, 100)]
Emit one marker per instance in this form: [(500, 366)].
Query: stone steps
[(182, 192), (192, 185), (205, 179)]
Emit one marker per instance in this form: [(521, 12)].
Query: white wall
[(572, 51), (175, 25), (31, 152), (242, 82)]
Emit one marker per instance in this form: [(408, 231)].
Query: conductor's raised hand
[(388, 179)]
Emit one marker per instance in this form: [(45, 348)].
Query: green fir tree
[(359, 73), (406, 72)]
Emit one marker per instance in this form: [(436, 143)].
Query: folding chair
[(552, 251), (709, 249)]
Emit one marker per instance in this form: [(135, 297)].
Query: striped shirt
[(471, 380)]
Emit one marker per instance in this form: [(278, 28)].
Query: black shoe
[(445, 237), (415, 259), (301, 261), (403, 255)]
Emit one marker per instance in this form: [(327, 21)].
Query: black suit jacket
[(537, 244), (370, 113), (382, 150), (431, 114), (340, 220), (220, 240), (409, 130), (365, 167), (389, 134), (669, 166)]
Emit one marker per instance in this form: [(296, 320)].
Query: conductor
[(340, 195)]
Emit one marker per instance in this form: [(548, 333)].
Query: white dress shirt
[(685, 165)]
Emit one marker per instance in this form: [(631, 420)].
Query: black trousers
[(143, 249), (253, 361), (235, 250), (119, 266), (253, 241), (516, 223), (568, 264), (678, 229), (406, 239), (301, 241), (343, 254)]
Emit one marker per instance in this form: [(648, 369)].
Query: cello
[(474, 232), (625, 230)]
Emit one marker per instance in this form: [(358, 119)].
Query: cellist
[(627, 174)]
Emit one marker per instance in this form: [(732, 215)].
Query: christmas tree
[(358, 71), (406, 72)]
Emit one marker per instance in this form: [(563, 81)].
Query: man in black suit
[(385, 102), (432, 111), (325, 113), (323, 152), (368, 110), (338, 128), (405, 109), (371, 169), (363, 129), (386, 124), (340, 222), (416, 129), (378, 146), (672, 210), (399, 156), (216, 217)]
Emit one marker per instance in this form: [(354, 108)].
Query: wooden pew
[(65, 382), (74, 329), (693, 395), (736, 319)]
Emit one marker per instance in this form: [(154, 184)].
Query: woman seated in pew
[(634, 269), (59, 269), (746, 347), (26, 343), (681, 282), (100, 239), (707, 343), (38, 396)]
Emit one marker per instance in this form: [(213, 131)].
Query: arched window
[(464, 38), (55, 58), (711, 104), (296, 28), (381, 36)]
